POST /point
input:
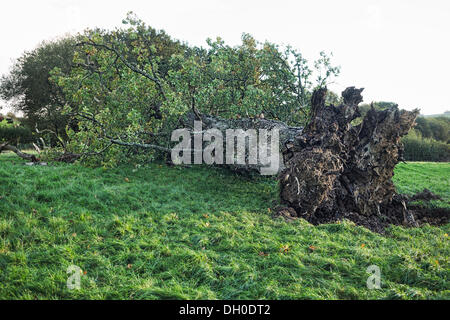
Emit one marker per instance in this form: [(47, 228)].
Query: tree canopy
[(130, 86), (110, 93)]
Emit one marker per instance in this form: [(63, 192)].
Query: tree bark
[(286, 133)]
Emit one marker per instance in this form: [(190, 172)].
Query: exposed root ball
[(337, 168)]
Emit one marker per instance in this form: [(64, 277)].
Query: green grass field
[(160, 232)]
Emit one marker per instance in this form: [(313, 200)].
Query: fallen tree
[(340, 165)]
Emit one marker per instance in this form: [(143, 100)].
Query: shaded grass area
[(160, 232)]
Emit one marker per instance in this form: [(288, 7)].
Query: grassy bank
[(161, 232)]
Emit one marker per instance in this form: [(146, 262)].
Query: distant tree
[(381, 105), (427, 127), (28, 89), (378, 105), (333, 98), (423, 126)]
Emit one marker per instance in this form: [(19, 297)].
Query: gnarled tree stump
[(338, 169)]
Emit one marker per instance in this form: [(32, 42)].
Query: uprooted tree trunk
[(286, 134), (336, 169)]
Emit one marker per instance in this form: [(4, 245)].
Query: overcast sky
[(398, 50)]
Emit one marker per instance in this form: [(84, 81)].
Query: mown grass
[(160, 232)]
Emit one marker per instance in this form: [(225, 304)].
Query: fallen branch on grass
[(7, 147)]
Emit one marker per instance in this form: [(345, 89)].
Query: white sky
[(398, 50)]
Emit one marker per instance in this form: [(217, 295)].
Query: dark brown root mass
[(432, 216), (421, 215), (426, 195), (337, 168)]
